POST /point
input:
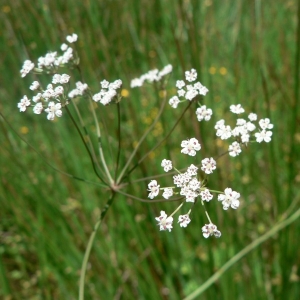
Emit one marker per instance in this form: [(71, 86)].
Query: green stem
[(119, 140), (100, 144), (159, 143), (90, 244), (141, 140), (86, 146), (279, 226)]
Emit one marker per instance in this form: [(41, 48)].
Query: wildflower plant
[(190, 186)]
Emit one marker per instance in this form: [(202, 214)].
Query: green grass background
[(245, 52)]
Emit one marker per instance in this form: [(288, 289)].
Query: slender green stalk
[(87, 135), (119, 140), (141, 140), (90, 245), (87, 148), (277, 227), (161, 141), (100, 144)]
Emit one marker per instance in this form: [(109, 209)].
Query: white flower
[(37, 97), (81, 86), (178, 180), (184, 220), (194, 184), (250, 126), (63, 47), (190, 195), (208, 165), (168, 192), (64, 78), (229, 199), (180, 84), (174, 101), (220, 124), (203, 113), (234, 149), (115, 85), (56, 78), (201, 88), (48, 60), (190, 146), (38, 108), (252, 117), (181, 93), (191, 94), (191, 75), (136, 82), (245, 138), (153, 188), (206, 195), (72, 38), (165, 71), (210, 230), (53, 109), (265, 124), (59, 90), (26, 68), (24, 102), (236, 109), (263, 136), (166, 164), (108, 96), (224, 132), (164, 222), (80, 89), (34, 86), (150, 76), (104, 84), (192, 170)]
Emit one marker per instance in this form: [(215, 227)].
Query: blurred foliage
[(245, 52)]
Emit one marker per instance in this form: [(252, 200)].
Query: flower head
[(168, 192), (164, 222), (174, 101), (237, 109), (26, 68), (184, 220), (191, 75), (53, 109), (203, 113), (210, 230), (229, 199), (206, 195), (24, 102), (190, 146), (153, 188), (208, 165), (234, 149), (263, 136), (167, 165)]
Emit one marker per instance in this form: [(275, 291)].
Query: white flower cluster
[(79, 90), (190, 187), (153, 75), (243, 130), (26, 68), (49, 99), (51, 60), (108, 91), (188, 91)]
